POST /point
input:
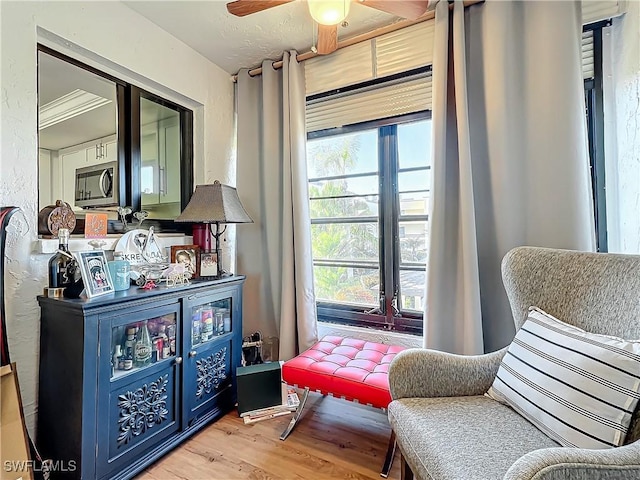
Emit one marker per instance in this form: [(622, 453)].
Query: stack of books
[(289, 405)]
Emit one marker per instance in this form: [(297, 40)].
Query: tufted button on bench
[(347, 368)]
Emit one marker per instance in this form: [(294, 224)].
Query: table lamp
[(215, 204)]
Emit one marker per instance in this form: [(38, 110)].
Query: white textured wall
[(115, 39), (626, 77)]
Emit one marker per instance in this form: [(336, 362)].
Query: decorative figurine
[(149, 285), (176, 274), (140, 216), (122, 213)]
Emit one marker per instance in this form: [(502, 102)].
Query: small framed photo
[(208, 264), (95, 273), (95, 225), (189, 256)]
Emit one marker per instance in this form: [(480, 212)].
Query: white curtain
[(510, 162), (274, 252)]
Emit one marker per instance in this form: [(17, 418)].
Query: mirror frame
[(128, 131)]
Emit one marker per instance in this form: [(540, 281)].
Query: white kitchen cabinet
[(149, 171), (70, 162), (160, 157), (170, 158), (103, 151)]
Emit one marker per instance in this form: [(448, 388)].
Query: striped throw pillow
[(579, 388)]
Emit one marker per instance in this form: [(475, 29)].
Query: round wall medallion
[(55, 217)]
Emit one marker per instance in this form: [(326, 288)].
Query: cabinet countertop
[(136, 293)]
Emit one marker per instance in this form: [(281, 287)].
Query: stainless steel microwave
[(97, 185)]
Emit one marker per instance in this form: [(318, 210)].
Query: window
[(369, 191), (370, 181), (89, 119), (594, 101)]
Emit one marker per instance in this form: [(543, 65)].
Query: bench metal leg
[(296, 415), (391, 451), (405, 469)]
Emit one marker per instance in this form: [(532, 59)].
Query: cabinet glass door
[(139, 344), (212, 327), (140, 385), (209, 321)]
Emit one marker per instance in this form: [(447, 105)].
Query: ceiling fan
[(329, 13)]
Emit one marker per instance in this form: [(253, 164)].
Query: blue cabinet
[(211, 360), (112, 415)]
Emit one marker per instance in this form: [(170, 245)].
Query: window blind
[(598, 10), (347, 66), (587, 54), (403, 50), (381, 101), (391, 53)]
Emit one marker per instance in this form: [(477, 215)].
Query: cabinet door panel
[(111, 151), (170, 188), (209, 378), (140, 407), (70, 162), (212, 332), (150, 174), (141, 414)]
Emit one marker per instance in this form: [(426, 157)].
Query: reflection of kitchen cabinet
[(119, 416), (70, 162), (160, 156), (102, 152)]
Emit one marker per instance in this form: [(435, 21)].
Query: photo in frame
[(95, 273), (208, 264), (95, 225), (189, 256)]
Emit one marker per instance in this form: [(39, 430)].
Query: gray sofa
[(447, 429)]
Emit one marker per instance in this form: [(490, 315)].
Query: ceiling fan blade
[(327, 39), (410, 9), (241, 8)]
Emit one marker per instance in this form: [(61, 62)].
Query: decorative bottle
[(128, 347), (62, 264), (142, 350), (162, 332)]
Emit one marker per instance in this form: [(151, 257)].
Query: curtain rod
[(301, 57)]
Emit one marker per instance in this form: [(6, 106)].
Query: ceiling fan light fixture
[(329, 12)]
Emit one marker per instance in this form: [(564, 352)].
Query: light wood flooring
[(334, 439)]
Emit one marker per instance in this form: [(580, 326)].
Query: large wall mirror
[(104, 143), (77, 128)]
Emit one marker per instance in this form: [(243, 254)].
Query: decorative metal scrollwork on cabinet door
[(142, 409), (210, 372)]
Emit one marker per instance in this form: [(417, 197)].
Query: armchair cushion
[(462, 438), (579, 388)]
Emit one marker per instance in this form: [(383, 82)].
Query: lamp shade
[(215, 203)]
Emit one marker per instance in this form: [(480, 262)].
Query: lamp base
[(202, 236)]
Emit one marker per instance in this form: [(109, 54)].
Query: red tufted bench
[(347, 368)]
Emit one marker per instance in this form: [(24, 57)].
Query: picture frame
[(189, 255), (95, 225), (95, 273), (209, 264)]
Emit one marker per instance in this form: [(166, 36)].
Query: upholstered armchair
[(446, 428)]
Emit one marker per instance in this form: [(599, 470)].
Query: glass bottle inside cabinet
[(139, 344), (210, 320)]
